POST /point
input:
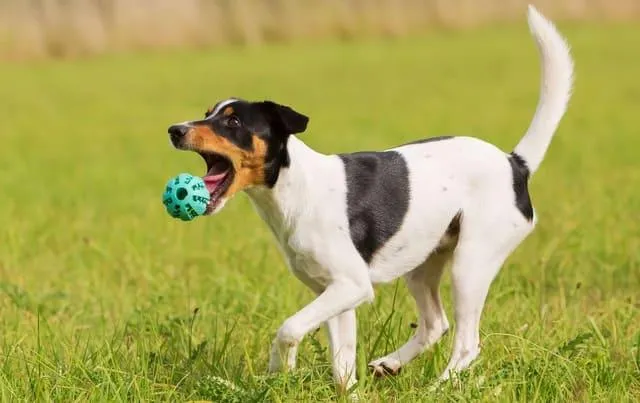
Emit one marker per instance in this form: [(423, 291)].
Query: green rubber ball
[(185, 197)]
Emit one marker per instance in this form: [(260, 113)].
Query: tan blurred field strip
[(69, 28)]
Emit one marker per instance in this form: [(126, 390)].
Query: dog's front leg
[(282, 357), (344, 294), (342, 340)]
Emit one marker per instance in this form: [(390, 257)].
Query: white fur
[(307, 213), (220, 106), (555, 89)]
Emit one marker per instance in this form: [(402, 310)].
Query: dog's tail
[(555, 90)]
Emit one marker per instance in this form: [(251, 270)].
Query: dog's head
[(244, 144)]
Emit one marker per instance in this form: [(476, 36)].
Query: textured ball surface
[(185, 197)]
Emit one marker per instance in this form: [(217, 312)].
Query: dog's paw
[(385, 366)]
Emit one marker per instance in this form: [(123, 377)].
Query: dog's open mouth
[(218, 178)]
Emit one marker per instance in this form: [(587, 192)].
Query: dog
[(346, 222)]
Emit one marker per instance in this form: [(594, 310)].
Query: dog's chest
[(306, 268), (300, 256), (298, 241)]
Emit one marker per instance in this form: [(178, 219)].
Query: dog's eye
[(233, 121)]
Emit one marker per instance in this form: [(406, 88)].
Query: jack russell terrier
[(346, 222)]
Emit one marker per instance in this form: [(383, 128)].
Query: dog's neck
[(281, 204)]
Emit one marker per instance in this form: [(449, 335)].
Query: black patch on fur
[(220, 124), (283, 122), (377, 198), (277, 158), (521, 185), (430, 140)]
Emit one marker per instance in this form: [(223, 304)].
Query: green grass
[(103, 297)]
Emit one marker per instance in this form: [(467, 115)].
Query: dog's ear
[(285, 118)]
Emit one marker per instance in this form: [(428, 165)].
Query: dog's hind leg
[(483, 247), (423, 284)]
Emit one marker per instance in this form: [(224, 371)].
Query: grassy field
[(103, 297)]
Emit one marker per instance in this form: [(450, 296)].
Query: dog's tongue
[(213, 181)]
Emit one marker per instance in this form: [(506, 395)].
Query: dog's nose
[(177, 131)]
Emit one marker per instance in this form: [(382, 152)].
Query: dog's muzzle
[(177, 134)]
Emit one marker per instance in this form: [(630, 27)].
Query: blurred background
[(41, 28), (104, 297)]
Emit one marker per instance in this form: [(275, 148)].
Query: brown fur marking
[(248, 165), (453, 229), (450, 237)]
